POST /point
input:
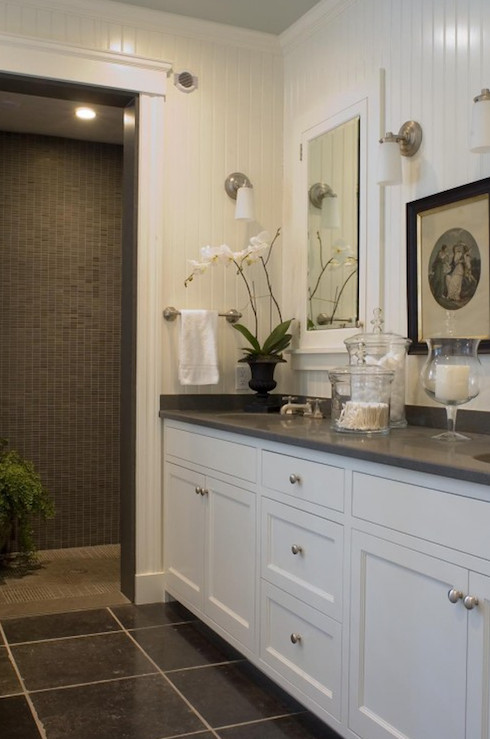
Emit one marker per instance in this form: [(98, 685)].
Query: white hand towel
[(198, 361)]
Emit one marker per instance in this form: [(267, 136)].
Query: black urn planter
[(262, 381)]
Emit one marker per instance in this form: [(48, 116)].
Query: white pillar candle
[(452, 382)]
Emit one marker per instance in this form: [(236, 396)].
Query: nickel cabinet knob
[(455, 595), (295, 638), (293, 479), (296, 549), (198, 490), (470, 602)]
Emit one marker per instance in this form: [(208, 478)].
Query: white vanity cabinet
[(210, 531), (420, 620), (361, 588)]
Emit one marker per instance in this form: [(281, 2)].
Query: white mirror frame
[(314, 349)]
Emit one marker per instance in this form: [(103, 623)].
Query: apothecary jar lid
[(377, 339)]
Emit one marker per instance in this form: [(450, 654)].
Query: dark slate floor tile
[(85, 659), (137, 708), (151, 614), (233, 693), (16, 720), (300, 726), (58, 625), (176, 647), (9, 682)]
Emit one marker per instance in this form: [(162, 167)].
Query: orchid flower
[(259, 251), (342, 255)]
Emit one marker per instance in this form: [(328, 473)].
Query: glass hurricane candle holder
[(451, 376)]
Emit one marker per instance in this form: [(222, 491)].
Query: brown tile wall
[(60, 294)]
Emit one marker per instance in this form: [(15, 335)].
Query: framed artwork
[(448, 276)]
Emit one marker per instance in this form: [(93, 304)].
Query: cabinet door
[(408, 644), (230, 560), (479, 659), (184, 534)]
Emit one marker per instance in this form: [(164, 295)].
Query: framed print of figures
[(448, 275)]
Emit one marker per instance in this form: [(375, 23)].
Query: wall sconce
[(406, 142), (239, 187), (480, 123), (322, 196)]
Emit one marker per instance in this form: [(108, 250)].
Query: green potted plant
[(261, 357), (22, 495)]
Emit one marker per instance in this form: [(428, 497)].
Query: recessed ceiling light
[(85, 113)]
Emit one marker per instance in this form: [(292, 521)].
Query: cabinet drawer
[(302, 554), (312, 481), (444, 518), (230, 457), (313, 663)]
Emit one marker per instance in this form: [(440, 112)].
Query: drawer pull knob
[(204, 491), (293, 479), (455, 595), (198, 490), (296, 549), (470, 602), (295, 638)]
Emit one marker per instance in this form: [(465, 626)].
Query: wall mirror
[(333, 228), (339, 285)]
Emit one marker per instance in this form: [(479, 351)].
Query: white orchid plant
[(341, 256), (259, 252)]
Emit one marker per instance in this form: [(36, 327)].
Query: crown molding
[(310, 22), (159, 21), (89, 66)]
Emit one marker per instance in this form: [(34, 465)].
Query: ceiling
[(52, 117), (25, 113), (270, 16)]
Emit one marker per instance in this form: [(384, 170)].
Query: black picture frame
[(448, 274)]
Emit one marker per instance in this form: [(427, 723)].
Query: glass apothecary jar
[(388, 351), (361, 399)]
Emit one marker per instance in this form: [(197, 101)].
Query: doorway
[(73, 400)]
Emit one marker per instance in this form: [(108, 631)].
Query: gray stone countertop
[(411, 447)]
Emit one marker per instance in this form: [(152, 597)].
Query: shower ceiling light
[(86, 114)]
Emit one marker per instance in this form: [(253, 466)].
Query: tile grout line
[(169, 682), (35, 716), (94, 682), (62, 638)]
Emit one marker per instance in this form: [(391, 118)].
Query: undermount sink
[(482, 457)]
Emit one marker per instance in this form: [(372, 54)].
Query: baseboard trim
[(149, 588)]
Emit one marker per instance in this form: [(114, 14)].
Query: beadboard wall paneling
[(233, 122), (436, 57)]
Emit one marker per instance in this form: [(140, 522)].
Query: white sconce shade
[(405, 143), (322, 196), (330, 212), (389, 163), (239, 188), (245, 210), (480, 123)]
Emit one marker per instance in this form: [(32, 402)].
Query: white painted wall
[(436, 54)]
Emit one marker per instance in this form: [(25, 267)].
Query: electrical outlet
[(242, 376)]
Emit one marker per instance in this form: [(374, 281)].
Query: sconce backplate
[(234, 181), (410, 135), (317, 192)]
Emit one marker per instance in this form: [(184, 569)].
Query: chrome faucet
[(290, 408)]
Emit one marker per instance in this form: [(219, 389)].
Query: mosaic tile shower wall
[(60, 294)]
